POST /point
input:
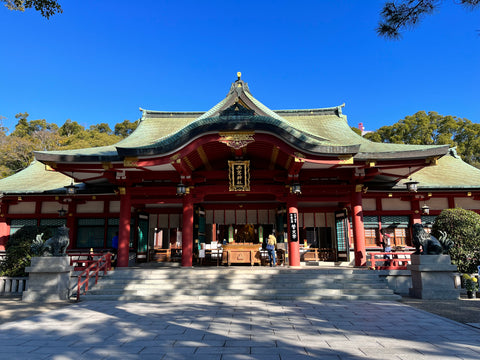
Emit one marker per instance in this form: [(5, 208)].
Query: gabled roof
[(318, 132)]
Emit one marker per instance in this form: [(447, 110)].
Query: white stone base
[(433, 277), (48, 279)]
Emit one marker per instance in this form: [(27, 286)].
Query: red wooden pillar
[(416, 215), (124, 228), (358, 229), (4, 227), (293, 235), (187, 231), (4, 233), (71, 215)]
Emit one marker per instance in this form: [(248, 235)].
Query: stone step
[(154, 298), (262, 283), (228, 292), (237, 287)]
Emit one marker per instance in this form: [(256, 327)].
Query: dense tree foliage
[(125, 128), (433, 129), (46, 7), (16, 149), (18, 250), (403, 14), (463, 228)]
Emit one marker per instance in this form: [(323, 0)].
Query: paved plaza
[(238, 330)]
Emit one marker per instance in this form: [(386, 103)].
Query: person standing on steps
[(271, 248), (114, 249)]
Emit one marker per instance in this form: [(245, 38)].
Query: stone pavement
[(238, 330)]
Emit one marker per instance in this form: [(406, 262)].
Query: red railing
[(80, 260), (390, 260), (103, 263)]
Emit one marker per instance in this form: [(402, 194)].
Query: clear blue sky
[(100, 61)]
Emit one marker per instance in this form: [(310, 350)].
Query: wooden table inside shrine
[(241, 254)]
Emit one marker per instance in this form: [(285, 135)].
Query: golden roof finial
[(239, 75)]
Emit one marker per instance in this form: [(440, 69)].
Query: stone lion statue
[(427, 244), (55, 246)]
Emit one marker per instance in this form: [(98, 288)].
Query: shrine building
[(187, 182)]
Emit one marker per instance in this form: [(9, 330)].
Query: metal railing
[(104, 264), (389, 260)]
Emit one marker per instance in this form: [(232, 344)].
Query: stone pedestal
[(433, 277), (48, 279)]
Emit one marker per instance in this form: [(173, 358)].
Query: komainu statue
[(427, 244), (55, 246)]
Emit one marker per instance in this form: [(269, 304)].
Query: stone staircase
[(240, 283)]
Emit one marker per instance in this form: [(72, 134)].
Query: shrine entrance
[(223, 236)]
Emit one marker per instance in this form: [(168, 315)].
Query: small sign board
[(293, 226)]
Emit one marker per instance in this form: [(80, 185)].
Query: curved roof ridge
[(334, 110)]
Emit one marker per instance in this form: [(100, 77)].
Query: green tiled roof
[(320, 131), (336, 129), (34, 179), (451, 172)]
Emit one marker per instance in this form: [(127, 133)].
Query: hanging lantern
[(181, 189), (412, 186), (71, 189), (425, 209), (296, 189)]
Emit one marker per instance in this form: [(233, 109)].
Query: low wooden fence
[(389, 260)]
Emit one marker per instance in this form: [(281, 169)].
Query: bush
[(18, 252), (463, 228)]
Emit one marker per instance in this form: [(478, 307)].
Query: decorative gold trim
[(175, 158), (106, 165), (50, 166), (273, 157), (359, 188), (236, 140), (239, 175), (287, 164), (188, 163), (130, 162), (345, 159), (204, 158)]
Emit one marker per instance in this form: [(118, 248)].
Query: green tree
[(46, 7), (18, 250), (89, 138), (70, 128), (43, 135), (404, 14), (125, 128), (463, 228), (25, 127), (101, 128), (17, 153)]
